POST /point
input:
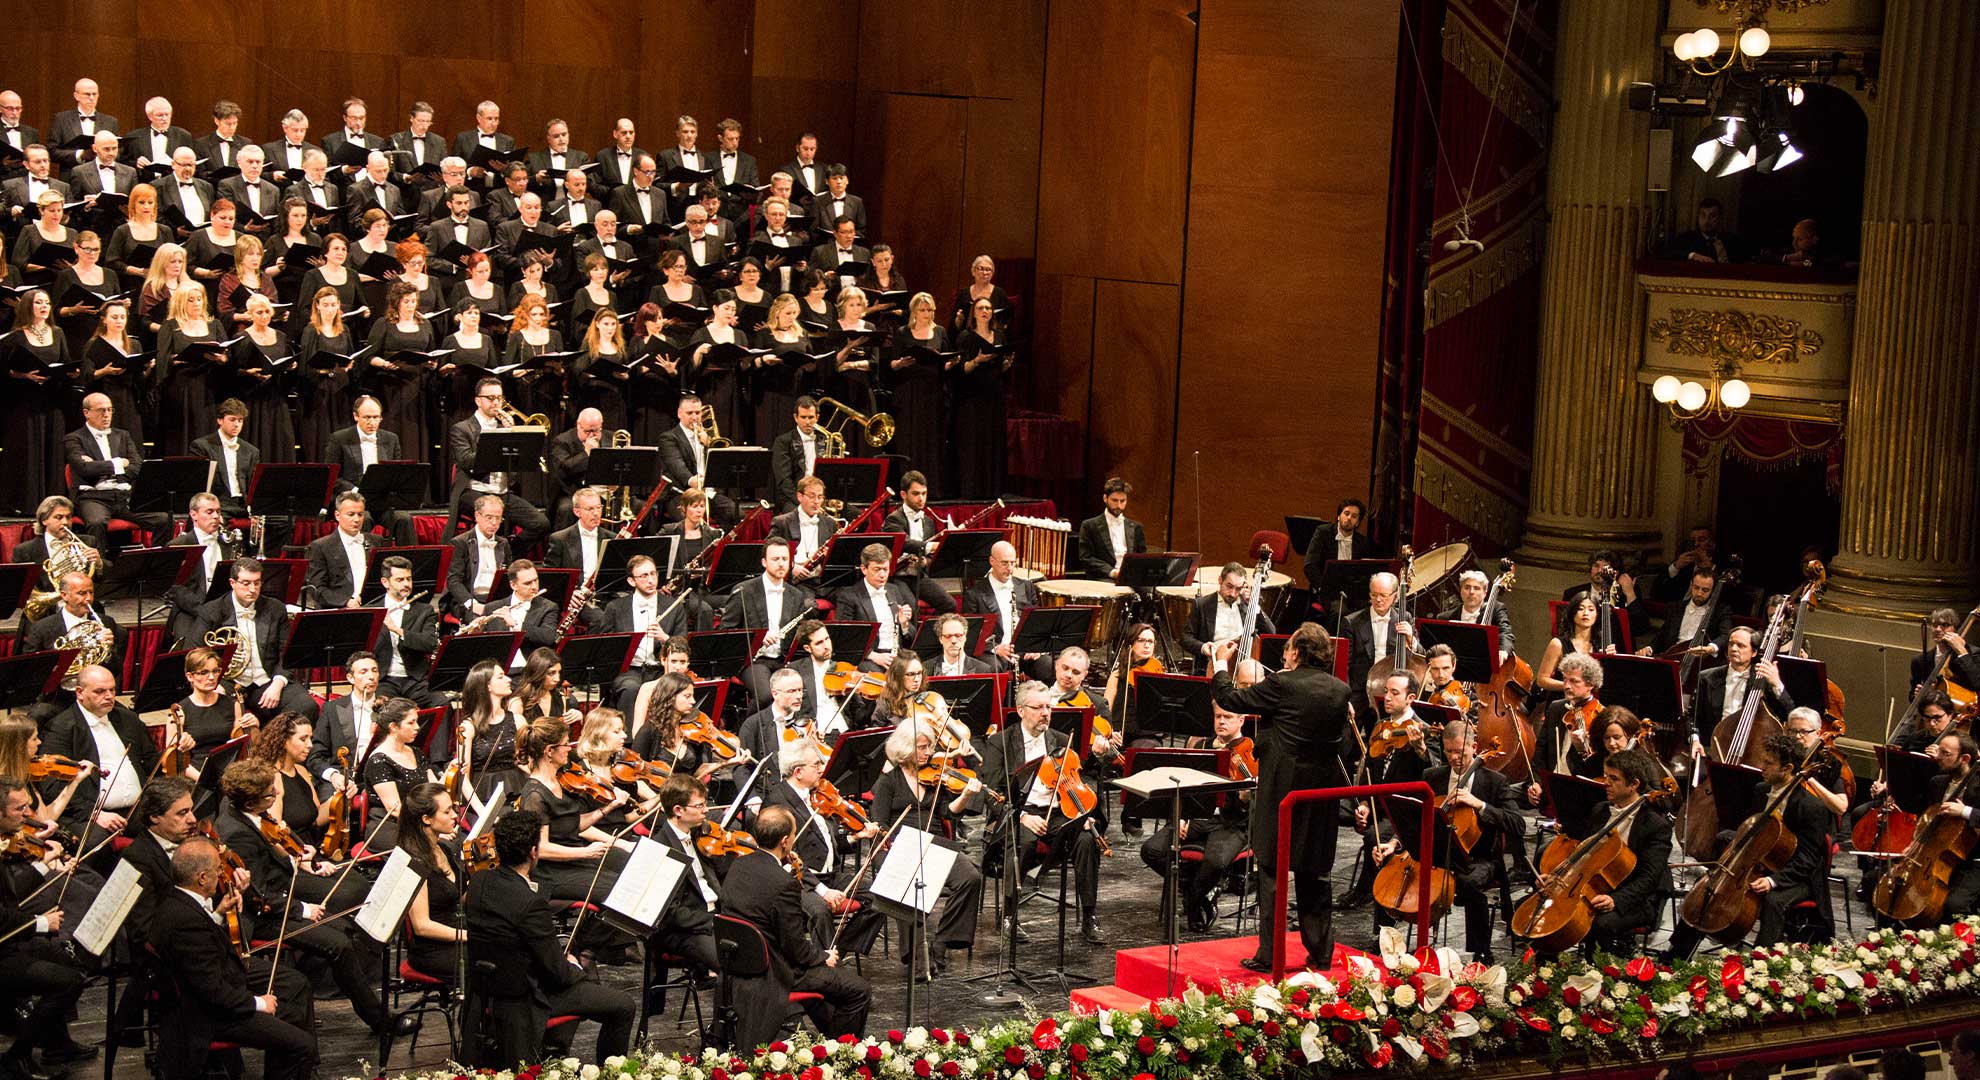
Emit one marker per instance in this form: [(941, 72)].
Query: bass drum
[(1111, 599), (1179, 603), (1434, 584)]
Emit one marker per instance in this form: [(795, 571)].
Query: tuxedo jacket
[(337, 140), (363, 195), (617, 616), (826, 256), (1321, 551), (86, 467), (917, 539), (981, 599), (14, 192), (539, 625), (611, 172), (441, 233), (1496, 616), (539, 161), (714, 250), (329, 575), (415, 646), (336, 729), (801, 190), (246, 457), (687, 911), (568, 461), (787, 466), (271, 627), (747, 606), (41, 635), (465, 567), (137, 143), (677, 456), (814, 832), (787, 526), (1003, 755), (559, 211), (436, 148), (566, 549), (208, 147), (1500, 819), (68, 736), (970, 666), (759, 889), (277, 154), (67, 124), (1202, 627), (1718, 625), (510, 926), (467, 142), (503, 207), (203, 964), (852, 604), (86, 180), (327, 201), (1096, 548), (852, 206), (154, 866), (35, 550), (344, 451), (235, 190), (187, 596)]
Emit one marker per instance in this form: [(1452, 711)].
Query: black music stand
[(142, 573), (293, 491), (1806, 681), (1344, 578), (735, 564), (166, 683), (964, 554), (18, 579), (322, 639), (1076, 724), (515, 451), (738, 468), (1176, 706), (710, 696), (858, 758), (1050, 630), (615, 552), (280, 578), (1476, 646), (976, 700), (928, 645), (1574, 799), (592, 660), (167, 485), (557, 583), (394, 487), (636, 468), (853, 481), (721, 654), (429, 570), (1907, 776), (26, 678), (851, 641), (842, 558), (210, 770), (1144, 574), (457, 654), (1300, 530), (1272, 651), (1735, 792), (1648, 687)]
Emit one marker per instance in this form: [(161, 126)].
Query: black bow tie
[(186, 184)]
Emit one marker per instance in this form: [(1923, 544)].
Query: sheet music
[(914, 856), (112, 906), (482, 818), (647, 883), (386, 904), (1150, 783)]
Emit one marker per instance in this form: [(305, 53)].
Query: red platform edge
[(1141, 975)]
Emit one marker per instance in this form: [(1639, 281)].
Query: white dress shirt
[(115, 481), (807, 538), (1039, 797), (773, 602), (1001, 591), (890, 637), (826, 709), (230, 464), (354, 555), (588, 546), (113, 758), (644, 610), (367, 450), (1694, 616), (255, 674), (209, 543), (395, 665), (1230, 621), (1117, 535), (701, 881), (1735, 691), (1343, 545), (695, 448), (484, 563), (1378, 628), (189, 202)]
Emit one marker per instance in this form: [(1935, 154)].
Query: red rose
[(1894, 966), (1571, 996), (780, 1046), (819, 1053), (1014, 1055), (1244, 1016), (1391, 1028), (950, 1068), (1539, 988), (1144, 1076), (1819, 983), (1145, 1045), (1271, 1029), (896, 1036), (940, 1035), (1077, 1051), (1035, 1071), (922, 1068), (719, 1073), (1611, 971), (1447, 1021), (1299, 996), (1182, 1056), (873, 1053), (1912, 976), (1169, 1022), (1869, 981), (1339, 1034)]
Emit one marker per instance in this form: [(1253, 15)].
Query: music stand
[(1573, 799), (1344, 578), (1806, 681), (293, 491), (1648, 687), (928, 645), (615, 552), (18, 579), (1735, 792), (281, 579), (141, 573), (1300, 530), (735, 564), (165, 683), (738, 468), (457, 654), (721, 654), (394, 487), (429, 570), (851, 641), (167, 485), (1179, 706), (596, 659), (1907, 776), (1076, 724), (852, 481), (1272, 652), (710, 696), (858, 757), (1186, 780), (636, 468), (1144, 574), (1476, 646), (210, 771), (964, 554), (976, 700), (27, 678), (514, 451), (1050, 630), (1143, 759), (905, 888), (842, 558), (322, 639)]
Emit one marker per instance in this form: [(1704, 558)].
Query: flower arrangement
[(1419, 1011)]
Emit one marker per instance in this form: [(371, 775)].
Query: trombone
[(835, 415), (619, 506), (714, 440)]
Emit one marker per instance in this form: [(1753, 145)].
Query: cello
[(1555, 916), (1722, 905), (1884, 828), (1398, 881), (1501, 703), (1914, 887)]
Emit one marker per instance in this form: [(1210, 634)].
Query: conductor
[(1302, 715)]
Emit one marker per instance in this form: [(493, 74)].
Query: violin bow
[(388, 815), (282, 932), (595, 874), (844, 918), (327, 919)]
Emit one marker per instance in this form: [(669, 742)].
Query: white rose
[(1568, 1032), (779, 1060), (1404, 996), (1564, 1016), (1753, 997), (916, 1039), (589, 1072), (1739, 1012), (1134, 1028)]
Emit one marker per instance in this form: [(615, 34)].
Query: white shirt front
[(1694, 616), (484, 563), (1343, 545), (644, 610), (210, 545), (354, 555), (1117, 536), (1735, 691), (361, 709), (367, 450), (694, 864), (807, 538), (826, 709), (773, 601), (958, 667), (189, 201), (103, 451), (1006, 618), (588, 545), (810, 444), (255, 675), (1034, 748), (205, 904), (728, 167), (395, 665), (890, 638), (1378, 627), (1230, 621), (230, 465), (824, 828), (113, 758), (695, 448), (107, 176)]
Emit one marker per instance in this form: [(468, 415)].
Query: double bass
[(1502, 719), (1914, 887)]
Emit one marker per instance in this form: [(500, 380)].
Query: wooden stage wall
[(1188, 199)]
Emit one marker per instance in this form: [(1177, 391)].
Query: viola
[(280, 838), (1073, 796), (845, 676), (1243, 759), (826, 800), (1451, 695), (23, 847), (480, 854), (53, 767), (337, 834), (939, 771), (1555, 916), (633, 769), (174, 761), (714, 841), (703, 730), (578, 780), (808, 730), (230, 861), (1390, 736)]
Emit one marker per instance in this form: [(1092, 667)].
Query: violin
[(1073, 796), (1102, 728), (1914, 887), (174, 761), (1390, 736), (826, 800), (703, 730), (1463, 820), (1555, 916), (337, 834), (939, 771), (230, 861), (930, 711), (846, 676), (280, 838), (480, 854), (53, 767), (808, 730), (714, 841), (1584, 715), (23, 846), (578, 780), (633, 769), (1452, 695), (1243, 759)]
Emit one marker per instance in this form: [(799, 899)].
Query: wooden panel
[(706, 76), (41, 67), (373, 26), (915, 194), (1131, 413), (317, 83), (1000, 186), (203, 25), (461, 30), (993, 48), (803, 80), (557, 32), (223, 71), (586, 98), (1114, 160), (1061, 362)]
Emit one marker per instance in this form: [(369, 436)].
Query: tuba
[(834, 415), (715, 440), (86, 637), (67, 554), (222, 637)]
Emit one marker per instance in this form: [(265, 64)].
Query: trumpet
[(834, 415), (713, 439)]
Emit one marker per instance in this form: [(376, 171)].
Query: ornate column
[(1594, 433), (1908, 540)]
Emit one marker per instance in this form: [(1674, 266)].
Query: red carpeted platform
[(1142, 975)]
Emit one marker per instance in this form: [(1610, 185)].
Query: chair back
[(1279, 542), (748, 950)]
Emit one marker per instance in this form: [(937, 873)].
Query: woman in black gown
[(752, 299), (244, 280), (134, 244), (399, 383), (572, 843), (436, 942), (529, 280), (79, 292), (323, 387), (162, 280), (262, 384), (775, 379), (394, 767), (656, 385), (42, 381), (680, 326), (489, 721), (478, 288), (208, 245), (336, 273), (855, 343), (882, 277), (720, 384), (538, 388), (599, 376), (211, 713), (977, 416), (186, 392), (45, 231), (596, 292), (284, 744), (668, 703), (916, 381), (982, 271), (814, 310), (113, 364), (295, 233)]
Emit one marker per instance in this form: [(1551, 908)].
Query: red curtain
[(1766, 442)]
